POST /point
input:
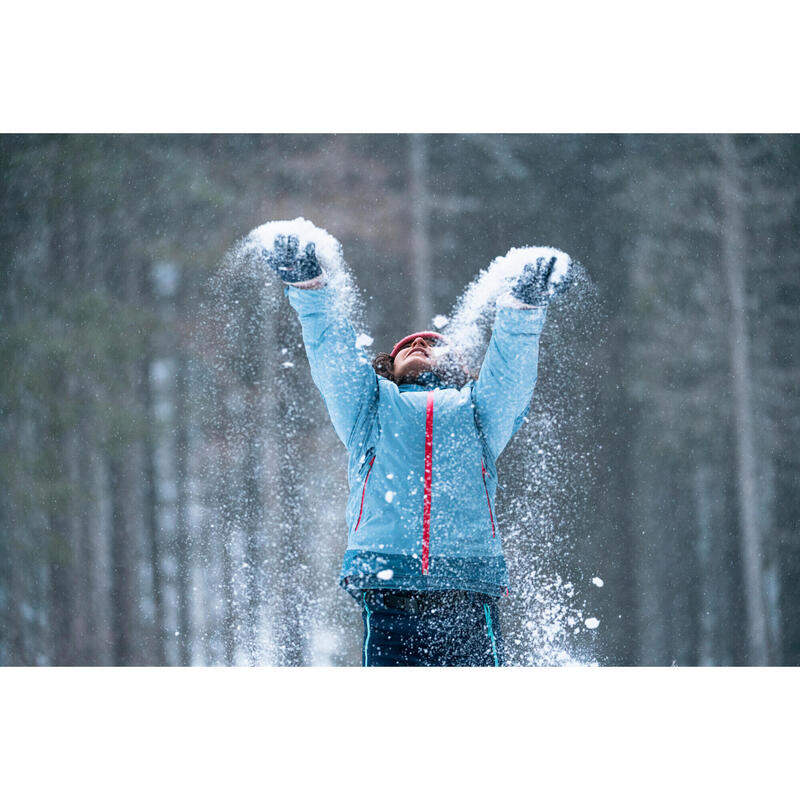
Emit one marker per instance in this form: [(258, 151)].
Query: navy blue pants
[(430, 629)]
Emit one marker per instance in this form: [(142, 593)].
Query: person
[(424, 556)]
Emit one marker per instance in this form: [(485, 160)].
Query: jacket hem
[(364, 569)]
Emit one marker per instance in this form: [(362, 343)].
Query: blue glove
[(534, 286), (290, 267)]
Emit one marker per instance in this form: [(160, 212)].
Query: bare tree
[(734, 259), (420, 236), (150, 476), (183, 532)]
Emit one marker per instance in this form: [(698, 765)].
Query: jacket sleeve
[(339, 367), (504, 387)]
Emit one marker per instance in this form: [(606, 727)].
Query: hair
[(383, 364)]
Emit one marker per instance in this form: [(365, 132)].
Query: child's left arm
[(503, 391), (339, 366)]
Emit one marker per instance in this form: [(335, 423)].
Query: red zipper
[(426, 505), (363, 492), (486, 489)]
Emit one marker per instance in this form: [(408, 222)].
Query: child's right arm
[(339, 367)]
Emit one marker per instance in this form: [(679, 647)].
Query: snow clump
[(592, 623), (597, 581), (364, 340), (469, 320), (328, 248), (385, 574), (252, 250)]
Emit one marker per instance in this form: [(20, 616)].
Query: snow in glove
[(538, 284), (291, 265)]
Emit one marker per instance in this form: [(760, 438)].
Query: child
[(424, 556)]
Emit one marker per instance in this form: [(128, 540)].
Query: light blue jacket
[(422, 458)]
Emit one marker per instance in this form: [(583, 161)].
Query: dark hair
[(383, 364)]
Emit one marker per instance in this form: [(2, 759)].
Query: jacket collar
[(424, 382)]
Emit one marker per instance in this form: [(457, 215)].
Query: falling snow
[(543, 480)]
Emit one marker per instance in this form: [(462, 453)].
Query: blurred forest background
[(158, 478)]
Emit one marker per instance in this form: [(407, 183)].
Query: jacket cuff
[(517, 317), (310, 300), (508, 300)]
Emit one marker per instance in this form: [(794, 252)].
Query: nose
[(420, 342)]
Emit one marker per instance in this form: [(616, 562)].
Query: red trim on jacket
[(426, 506)]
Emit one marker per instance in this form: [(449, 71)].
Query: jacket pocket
[(363, 493), (488, 501)]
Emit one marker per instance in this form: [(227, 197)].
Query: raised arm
[(339, 367), (503, 391)]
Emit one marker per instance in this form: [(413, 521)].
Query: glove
[(290, 266), (535, 286)]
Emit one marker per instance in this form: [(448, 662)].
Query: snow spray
[(473, 312), (547, 470), (269, 550)]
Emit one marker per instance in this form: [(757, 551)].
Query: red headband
[(410, 338)]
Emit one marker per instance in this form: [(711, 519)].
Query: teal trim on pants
[(488, 616), (366, 624)]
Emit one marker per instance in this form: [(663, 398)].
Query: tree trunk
[(183, 542), (125, 453), (734, 258), (89, 610), (420, 239), (290, 574), (61, 565), (124, 617), (707, 622), (228, 533), (252, 520), (150, 480)]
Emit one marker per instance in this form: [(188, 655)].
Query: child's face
[(414, 359)]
